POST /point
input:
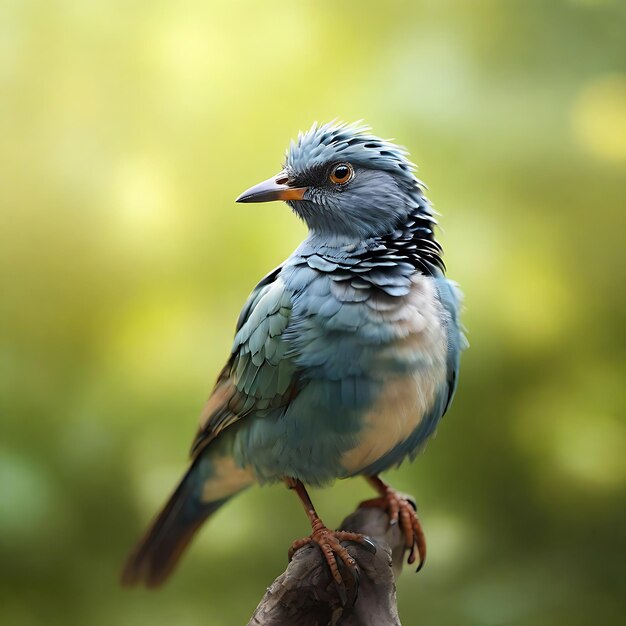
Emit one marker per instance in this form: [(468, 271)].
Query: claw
[(342, 592), (368, 544), (348, 593), (330, 544), (402, 511)]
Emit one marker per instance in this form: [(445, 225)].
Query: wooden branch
[(304, 593)]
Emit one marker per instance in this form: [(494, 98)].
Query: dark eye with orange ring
[(341, 173)]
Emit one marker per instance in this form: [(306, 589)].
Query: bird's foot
[(401, 509), (330, 544)]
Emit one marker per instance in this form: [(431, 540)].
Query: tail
[(206, 486)]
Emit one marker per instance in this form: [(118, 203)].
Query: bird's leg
[(329, 542), (400, 509)]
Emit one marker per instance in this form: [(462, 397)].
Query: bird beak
[(275, 188)]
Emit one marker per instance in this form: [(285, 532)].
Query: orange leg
[(403, 510), (329, 542)]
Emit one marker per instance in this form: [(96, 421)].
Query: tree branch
[(304, 593)]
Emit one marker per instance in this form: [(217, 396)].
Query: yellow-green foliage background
[(126, 131)]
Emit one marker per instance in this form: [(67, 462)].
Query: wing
[(451, 297), (258, 377)]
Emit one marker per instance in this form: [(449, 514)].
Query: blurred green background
[(126, 131)]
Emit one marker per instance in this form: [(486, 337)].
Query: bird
[(345, 357)]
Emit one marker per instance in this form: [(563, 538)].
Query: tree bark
[(305, 595)]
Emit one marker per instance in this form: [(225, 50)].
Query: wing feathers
[(258, 375)]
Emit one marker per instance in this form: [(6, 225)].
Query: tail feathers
[(158, 551)]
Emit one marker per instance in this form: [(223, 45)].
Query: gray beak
[(275, 188)]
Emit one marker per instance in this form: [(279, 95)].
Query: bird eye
[(341, 173)]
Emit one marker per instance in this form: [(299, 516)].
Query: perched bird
[(345, 356)]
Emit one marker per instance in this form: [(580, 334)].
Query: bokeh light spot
[(599, 118), (28, 497), (142, 200)]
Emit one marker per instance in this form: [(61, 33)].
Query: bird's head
[(344, 182)]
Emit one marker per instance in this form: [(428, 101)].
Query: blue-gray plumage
[(345, 357)]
